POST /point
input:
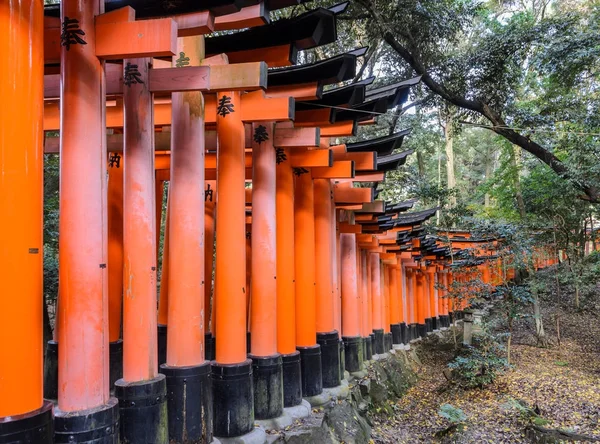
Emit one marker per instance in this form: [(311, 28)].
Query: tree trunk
[(420, 164), (450, 158), (489, 170), (539, 324), (516, 161)]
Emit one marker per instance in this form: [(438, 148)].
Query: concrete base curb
[(256, 436)]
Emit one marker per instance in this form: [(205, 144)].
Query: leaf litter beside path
[(563, 382)]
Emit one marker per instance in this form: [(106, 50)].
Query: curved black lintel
[(383, 145)]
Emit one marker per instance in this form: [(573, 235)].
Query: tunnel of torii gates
[(312, 274)]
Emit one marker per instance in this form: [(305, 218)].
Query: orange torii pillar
[(377, 303), (351, 328), (433, 306), (421, 306), (84, 403), (337, 286), (209, 249), (443, 297), (266, 361), (404, 301), (24, 415), (286, 287), (306, 327), (186, 369), (233, 389), (116, 167), (396, 302), (387, 292), (369, 335), (142, 391), (411, 323), (327, 335), (366, 328)]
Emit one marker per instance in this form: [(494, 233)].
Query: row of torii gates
[(312, 274)]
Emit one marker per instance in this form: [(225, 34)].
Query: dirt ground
[(562, 381)]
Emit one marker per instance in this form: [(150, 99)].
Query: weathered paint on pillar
[(140, 360), (387, 292), (209, 249), (83, 376), (230, 279), (376, 290), (304, 239), (286, 287), (350, 301), (21, 194), (116, 166), (185, 339), (324, 263), (264, 245)]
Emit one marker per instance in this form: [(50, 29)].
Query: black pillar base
[(189, 403), (310, 364), (233, 399), (388, 342), (368, 348), (379, 347), (51, 371), (414, 331), (444, 321), (342, 358), (292, 379), (35, 427), (267, 374), (209, 347), (428, 325), (143, 410), (99, 425), (451, 317), (396, 330), (421, 330), (435, 325), (354, 353), (330, 358), (403, 333), (115, 362), (162, 344)]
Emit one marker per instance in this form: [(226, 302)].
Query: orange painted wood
[(125, 14), (144, 38), (256, 107), (324, 252), (377, 206), (286, 289), (52, 30), (362, 161), (192, 78), (115, 248), (313, 117), (83, 379), (376, 290), (21, 201), (338, 149), (263, 314), (353, 195), (248, 17), (185, 339), (347, 228), (303, 91), (238, 77), (194, 24), (369, 177), (387, 256), (342, 169), (140, 350), (209, 242), (275, 56), (304, 240), (311, 158), (341, 129), (230, 284), (286, 136), (350, 296)]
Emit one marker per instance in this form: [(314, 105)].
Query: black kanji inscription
[(114, 160), (71, 33), (260, 134), (280, 155), (208, 194), (225, 106), (300, 171), (182, 60), (132, 75)]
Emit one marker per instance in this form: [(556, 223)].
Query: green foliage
[(479, 365), (452, 414)]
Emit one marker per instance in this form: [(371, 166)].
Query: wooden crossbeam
[(352, 195), (313, 117), (248, 17), (362, 161), (196, 23), (311, 158), (341, 169), (341, 129), (347, 228), (377, 206), (275, 56), (304, 91), (143, 38)]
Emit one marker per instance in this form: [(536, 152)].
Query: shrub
[(479, 365)]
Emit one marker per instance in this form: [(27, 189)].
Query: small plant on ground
[(455, 416), (479, 365)]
